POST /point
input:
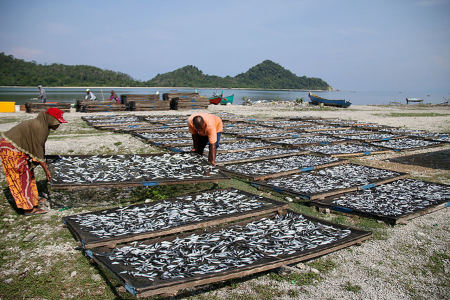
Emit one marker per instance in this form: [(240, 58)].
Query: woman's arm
[(47, 171)]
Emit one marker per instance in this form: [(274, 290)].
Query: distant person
[(42, 94), (114, 97), (90, 96), (205, 128), (22, 148)]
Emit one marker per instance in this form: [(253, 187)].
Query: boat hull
[(221, 100), (226, 100), (316, 100), (215, 100)]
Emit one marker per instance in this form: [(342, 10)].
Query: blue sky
[(383, 45)]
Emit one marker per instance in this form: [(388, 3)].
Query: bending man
[(42, 94), (205, 128)]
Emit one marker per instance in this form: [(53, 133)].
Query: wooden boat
[(316, 100), (215, 99), (228, 99), (219, 99)]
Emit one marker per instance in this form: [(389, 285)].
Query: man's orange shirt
[(212, 124)]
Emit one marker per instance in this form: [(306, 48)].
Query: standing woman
[(22, 148)]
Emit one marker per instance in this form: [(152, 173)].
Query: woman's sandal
[(36, 212), (42, 200)]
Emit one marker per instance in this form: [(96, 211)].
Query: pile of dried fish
[(331, 179), (237, 246), (342, 131), (165, 214), (400, 130), (342, 149), (189, 141), (277, 135), (283, 123), (278, 165), (156, 119), (428, 135), (396, 198), (343, 123), (373, 136), (407, 143), (251, 130), (445, 139), (175, 124), (114, 119), (315, 139), (177, 141), (152, 128), (375, 126), (165, 135), (242, 145), (222, 157), (316, 127), (121, 168)]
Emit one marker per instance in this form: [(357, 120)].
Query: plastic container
[(7, 107)]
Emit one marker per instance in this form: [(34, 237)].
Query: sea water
[(21, 95)]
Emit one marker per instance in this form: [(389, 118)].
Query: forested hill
[(271, 75), (17, 72), (266, 75)]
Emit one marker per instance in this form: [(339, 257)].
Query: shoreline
[(428, 118)]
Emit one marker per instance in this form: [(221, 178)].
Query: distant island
[(266, 75)]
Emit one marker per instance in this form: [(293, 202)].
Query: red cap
[(57, 113)]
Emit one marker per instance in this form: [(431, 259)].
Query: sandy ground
[(395, 267), (429, 118)]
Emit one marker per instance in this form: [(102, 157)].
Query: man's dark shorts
[(203, 141)]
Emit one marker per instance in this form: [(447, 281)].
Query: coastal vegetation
[(266, 75)]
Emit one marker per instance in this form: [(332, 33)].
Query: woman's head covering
[(30, 136), (57, 113)]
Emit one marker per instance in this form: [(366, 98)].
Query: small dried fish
[(342, 149), (221, 250), (330, 179), (165, 214), (396, 198), (406, 143), (372, 136), (277, 165), (232, 156), (121, 168), (315, 139)]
